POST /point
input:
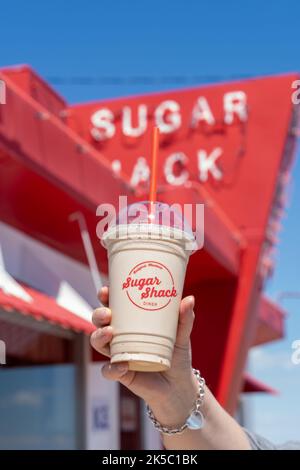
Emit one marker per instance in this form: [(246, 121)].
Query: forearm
[(220, 431)]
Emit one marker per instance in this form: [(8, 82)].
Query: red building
[(228, 146)]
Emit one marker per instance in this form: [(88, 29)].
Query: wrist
[(173, 409)]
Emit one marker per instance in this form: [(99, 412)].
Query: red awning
[(44, 308), (270, 325), (252, 385)]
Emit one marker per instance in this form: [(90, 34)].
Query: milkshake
[(148, 254)]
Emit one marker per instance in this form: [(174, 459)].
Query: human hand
[(171, 393)]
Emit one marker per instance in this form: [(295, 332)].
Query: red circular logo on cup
[(150, 285)]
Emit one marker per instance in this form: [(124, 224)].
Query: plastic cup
[(148, 249)]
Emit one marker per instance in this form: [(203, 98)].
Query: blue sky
[(186, 39)]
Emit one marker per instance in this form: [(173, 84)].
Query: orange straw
[(153, 181)]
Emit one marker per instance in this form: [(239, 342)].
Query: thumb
[(185, 322)]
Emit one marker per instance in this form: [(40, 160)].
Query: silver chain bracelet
[(194, 421)]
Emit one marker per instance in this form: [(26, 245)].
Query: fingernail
[(122, 368), (103, 312), (107, 331)]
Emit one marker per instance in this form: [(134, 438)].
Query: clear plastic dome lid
[(156, 220), (154, 213)]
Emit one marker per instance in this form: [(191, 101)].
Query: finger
[(103, 295), (114, 371), (101, 317), (185, 322), (101, 338), (118, 371)]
